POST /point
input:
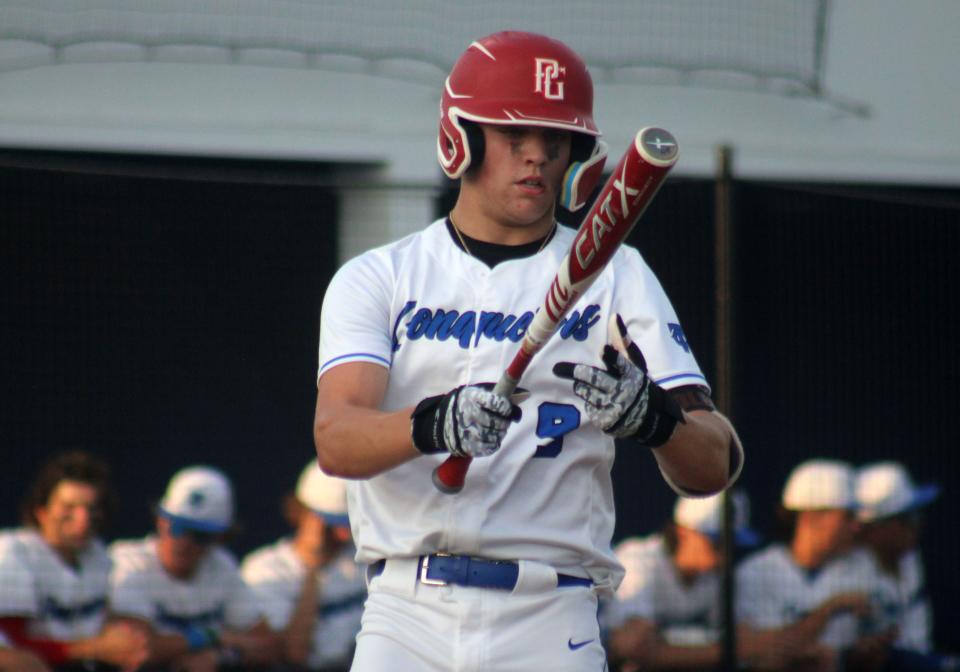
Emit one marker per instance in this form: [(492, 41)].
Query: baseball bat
[(623, 198)]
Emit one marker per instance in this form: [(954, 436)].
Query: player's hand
[(621, 399), (467, 421), (123, 645), (205, 660), (854, 601)]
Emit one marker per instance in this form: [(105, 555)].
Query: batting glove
[(467, 421), (621, 399)]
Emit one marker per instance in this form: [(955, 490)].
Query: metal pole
[(723, 380)]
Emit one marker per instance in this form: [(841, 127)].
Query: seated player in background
[(810, 596), (54, 572), (890, 514), (186, 587), (309, 585), (666, 614)]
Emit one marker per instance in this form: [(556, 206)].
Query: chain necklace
[(466, 248)]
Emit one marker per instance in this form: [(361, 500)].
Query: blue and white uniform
[(436, 317), (215, 597), (62, 602), (685, 614), (276, 575), (774, 592)]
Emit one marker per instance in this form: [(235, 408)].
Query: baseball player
[(54, 570), (505, 575), (309, 585), (185, 587), (666, 613), (890, 514), (811, 596)]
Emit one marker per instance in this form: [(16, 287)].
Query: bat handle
[(449, 476)]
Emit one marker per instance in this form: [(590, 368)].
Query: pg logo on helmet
[(549, 82), (523, 79)]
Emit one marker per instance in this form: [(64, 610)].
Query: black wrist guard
[(426, 425), (663, 414)]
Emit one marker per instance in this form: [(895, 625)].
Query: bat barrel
[(619, 205)]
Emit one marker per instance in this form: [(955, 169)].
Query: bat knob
[(448, 478), (657, 146)]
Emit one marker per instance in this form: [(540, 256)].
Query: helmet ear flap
[(475, 142), (582, 176)]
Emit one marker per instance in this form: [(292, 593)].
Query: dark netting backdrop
[(171, 318), (162, 321)]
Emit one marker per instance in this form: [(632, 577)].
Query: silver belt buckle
[(424, 565)]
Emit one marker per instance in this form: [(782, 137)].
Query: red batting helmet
[(520, 79)]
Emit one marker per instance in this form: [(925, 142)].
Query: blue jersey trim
[(668, 379), (365, 355)]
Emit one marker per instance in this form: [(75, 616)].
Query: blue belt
[(443, 569)]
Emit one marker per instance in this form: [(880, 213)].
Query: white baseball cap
[(705, 515), (199, 498), (885, 489), (325, 495), (820, 484)]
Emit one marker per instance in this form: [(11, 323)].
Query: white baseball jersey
[(276, 574), (436, 318), (62, 602), (214, 597), (685, 615), (901, 600), (773, 592)]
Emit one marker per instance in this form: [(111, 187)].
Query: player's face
[(317, 541), (519, 180), (696, 553), (180, 551), (69, 519), (834, 529)]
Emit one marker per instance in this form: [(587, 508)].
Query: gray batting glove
[(616, 399), (621, 399), (467, 421)]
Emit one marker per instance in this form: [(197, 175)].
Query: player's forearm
[(165, 648), (355, 442), (298, 635), (697, 456), (256, 646)]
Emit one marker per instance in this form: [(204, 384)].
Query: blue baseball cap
[(885, 489), (704, 515), (198, 498)]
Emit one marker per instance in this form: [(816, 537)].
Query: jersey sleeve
[(242, 609), (130, 591), (17, 592), (355, 318), (276, 593), (653, 324), (758, 602)]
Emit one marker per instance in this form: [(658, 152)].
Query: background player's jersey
[(438, 318), (276, 574), (773, 592), (62, 602), (685, 615), (901, 601), (215, 597)]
